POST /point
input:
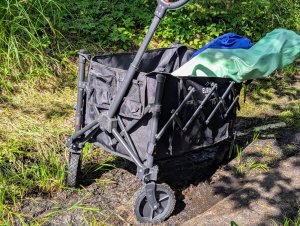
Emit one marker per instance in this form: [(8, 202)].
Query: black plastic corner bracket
[(160, 11), (84, 55), (148, 174), (106, 122), (74, 147)]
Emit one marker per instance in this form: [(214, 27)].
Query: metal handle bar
[(160, 12), (172, 5)]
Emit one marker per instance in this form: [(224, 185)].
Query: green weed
[(253, 165), (289, 221), (291, 147), (291, 116), (255, 136), (240, 166), (250, 164)]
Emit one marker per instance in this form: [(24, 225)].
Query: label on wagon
[(207, 90)]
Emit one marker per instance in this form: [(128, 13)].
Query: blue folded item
[(227, 41)]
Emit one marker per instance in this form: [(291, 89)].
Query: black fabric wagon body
[(105, 75), (159, 116)]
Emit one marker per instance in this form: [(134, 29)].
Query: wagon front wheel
[(166, 200), (73, 169)]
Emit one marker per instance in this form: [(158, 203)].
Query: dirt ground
[(198, 179), (263, 199)]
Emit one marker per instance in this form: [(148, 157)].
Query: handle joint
[(160, 11)]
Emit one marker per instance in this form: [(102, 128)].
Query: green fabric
[(276, 50)]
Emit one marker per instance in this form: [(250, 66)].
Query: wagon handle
[(172, 5), (162, 7)]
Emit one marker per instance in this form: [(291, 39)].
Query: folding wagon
[(131, 106)]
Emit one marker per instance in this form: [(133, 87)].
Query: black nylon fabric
[(105, 76), (160, 60), (199, 135)]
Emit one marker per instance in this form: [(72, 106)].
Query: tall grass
[(34, 123), (27, 35)]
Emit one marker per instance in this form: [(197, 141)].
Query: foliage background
[(37, 37), (195, 24)]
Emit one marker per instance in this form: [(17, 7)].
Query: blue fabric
[(227, 41)]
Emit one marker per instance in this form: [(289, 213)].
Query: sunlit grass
[(275, 97), (27, 35), (33, 127), (34, 123)]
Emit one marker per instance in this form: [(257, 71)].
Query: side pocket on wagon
[(134, 103), (102, 89)]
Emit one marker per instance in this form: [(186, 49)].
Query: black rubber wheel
[(73, 169), (166, 199)]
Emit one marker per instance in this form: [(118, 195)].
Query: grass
[(289, 221), (275, 97), (249, 164), (33, 125), (240, 166), (271, 100), (26, 39)]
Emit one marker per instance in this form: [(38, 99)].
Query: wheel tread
[(73, 169), (141, 194)]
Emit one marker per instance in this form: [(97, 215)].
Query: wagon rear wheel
[(166, 200), (74, 167)]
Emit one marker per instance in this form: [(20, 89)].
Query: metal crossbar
[(220, 106), (199, 109), (176, 112), (221, 103)]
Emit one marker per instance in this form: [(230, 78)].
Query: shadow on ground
[(282, 197), (190, 176)]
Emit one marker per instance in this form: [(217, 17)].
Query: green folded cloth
[(276, 50)]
